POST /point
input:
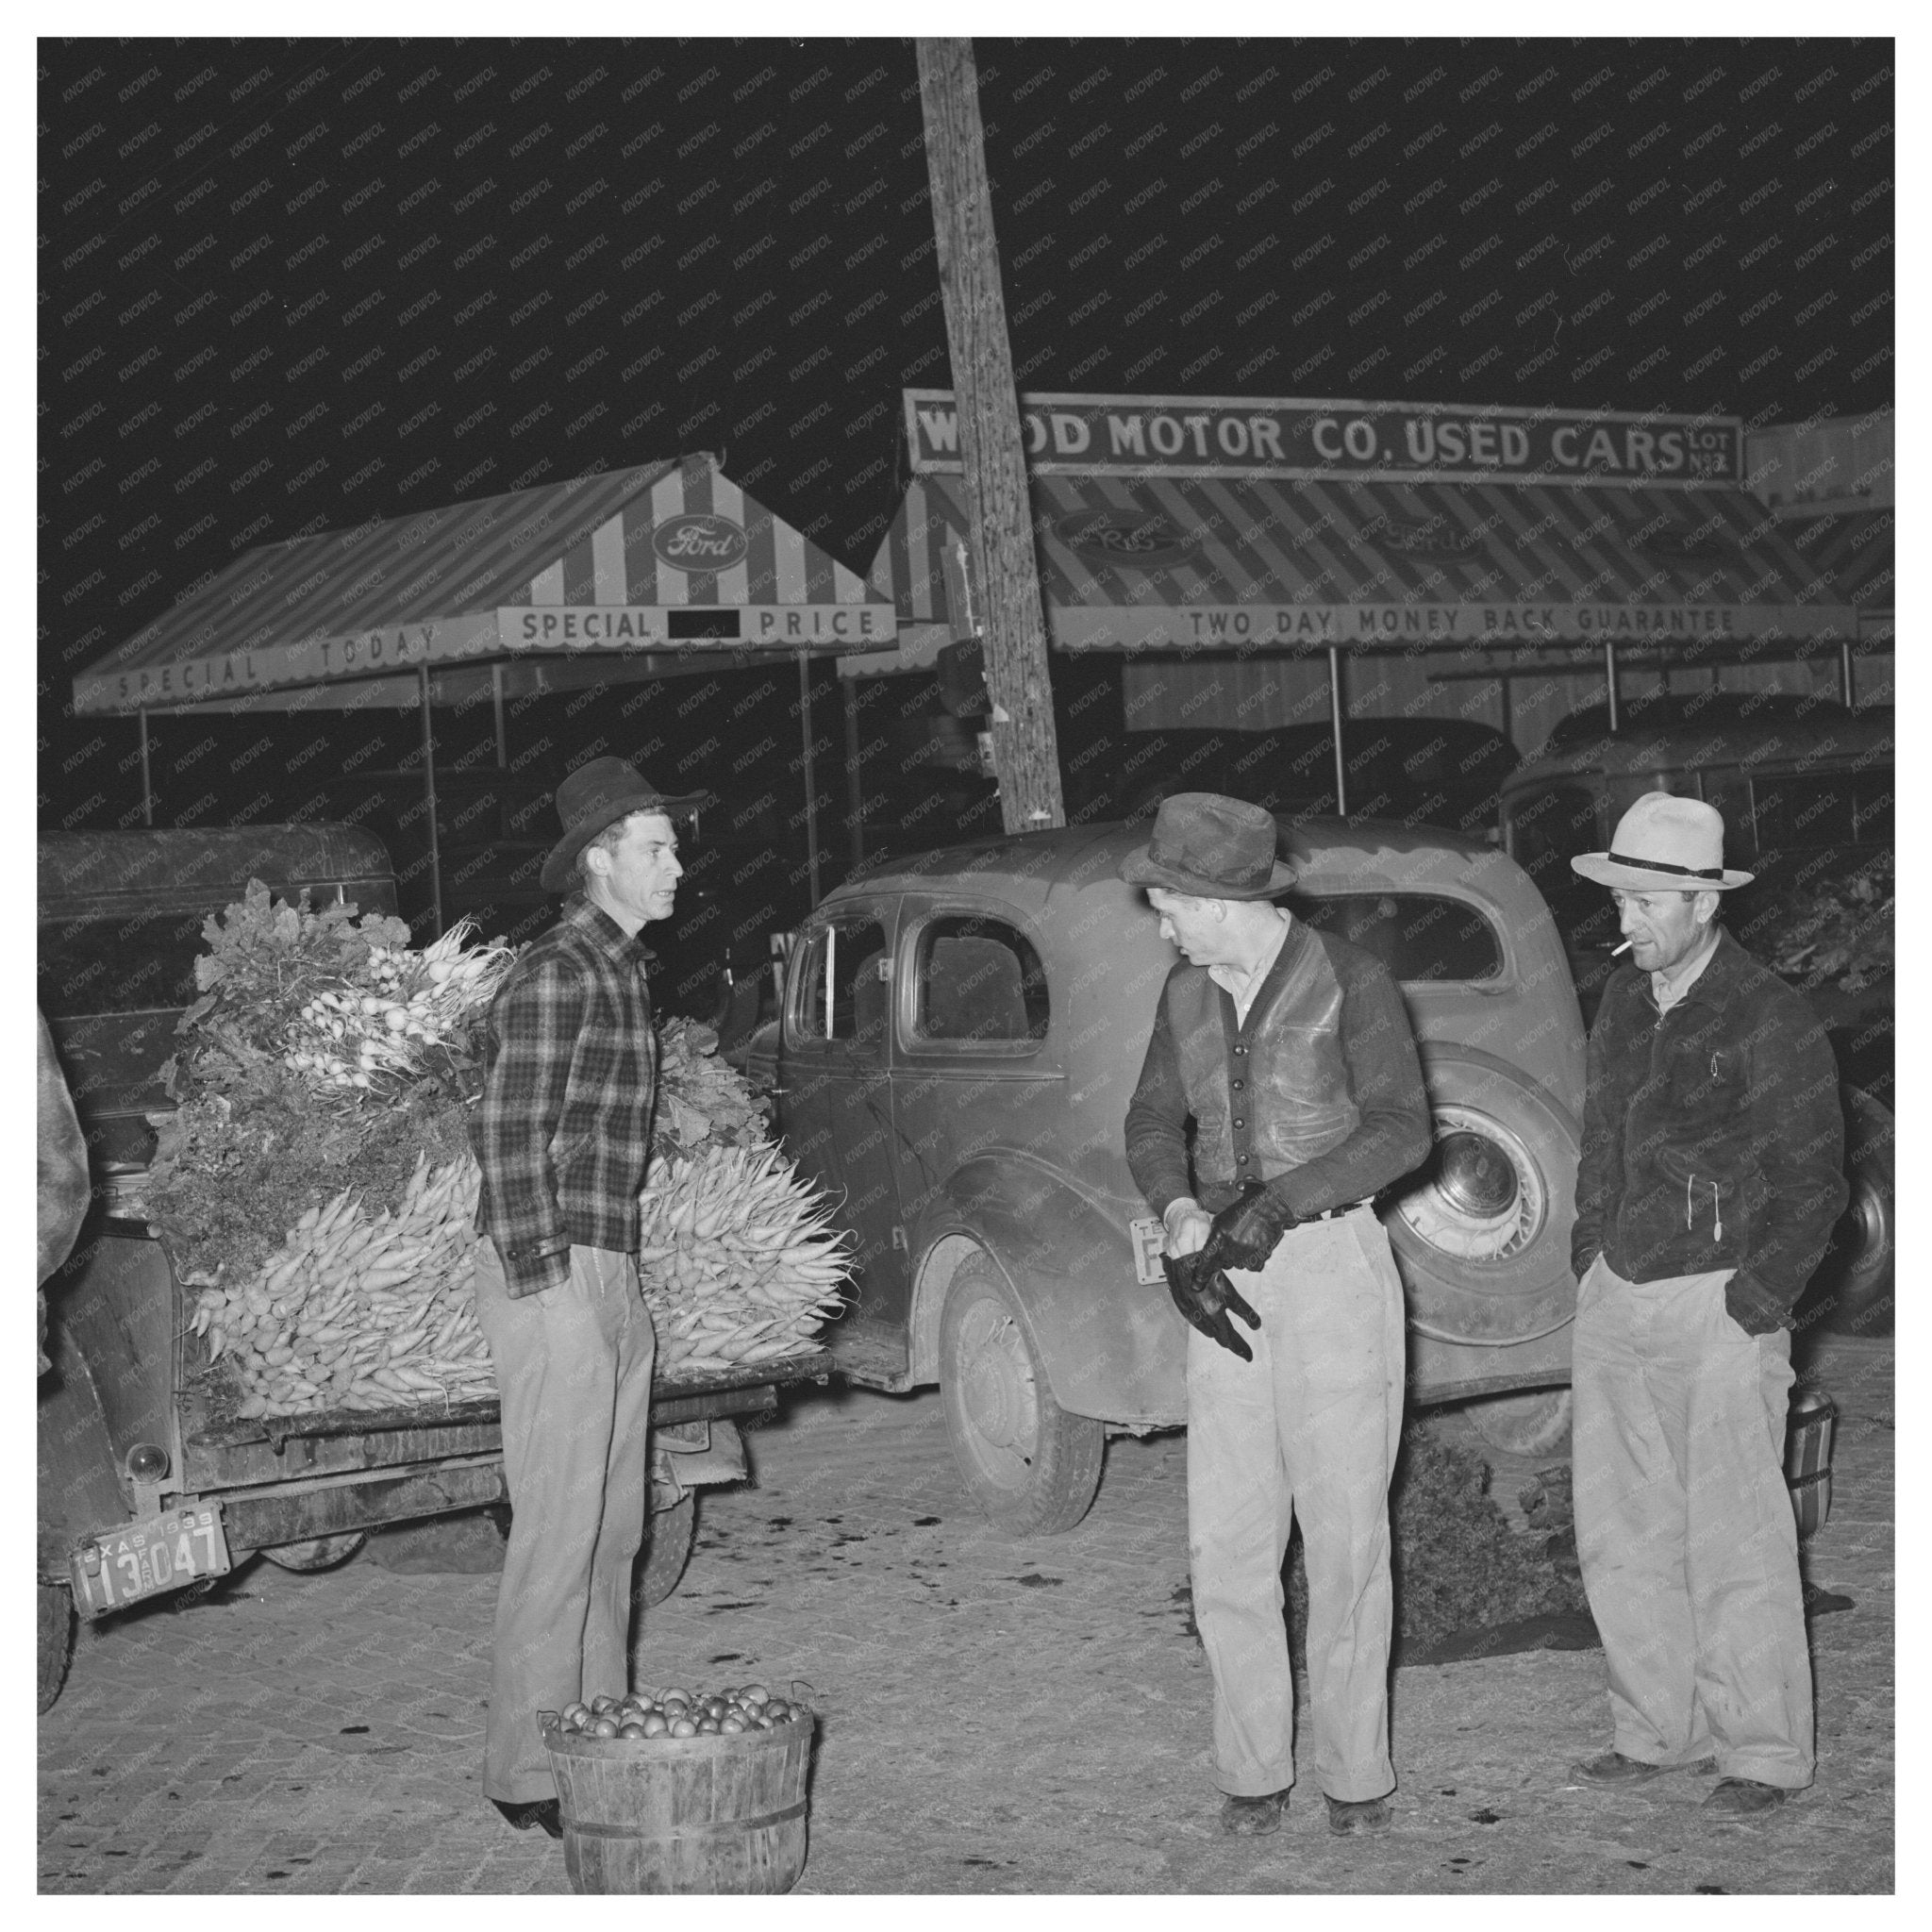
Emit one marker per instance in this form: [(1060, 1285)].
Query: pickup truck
[(146, 1486)]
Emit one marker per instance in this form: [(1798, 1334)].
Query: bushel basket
[(709, 1813)]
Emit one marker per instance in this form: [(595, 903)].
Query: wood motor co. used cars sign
[(1390, 442)]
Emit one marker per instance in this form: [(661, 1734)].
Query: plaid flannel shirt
[(564, 1129)]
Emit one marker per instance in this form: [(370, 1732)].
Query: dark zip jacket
[(1713, 1134)]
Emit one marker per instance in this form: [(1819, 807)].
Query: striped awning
[(1851, 550), (609, 574), (1150, 563)]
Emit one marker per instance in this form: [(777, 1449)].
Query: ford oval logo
[(1117, 539), (696, 542)]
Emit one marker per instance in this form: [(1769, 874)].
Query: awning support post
[(854, 800), (811, 783), (1611, 680), (496, 693), (429, 800), (147, 790), (1335, 710)]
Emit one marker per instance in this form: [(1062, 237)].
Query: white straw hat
[(1665, 843)]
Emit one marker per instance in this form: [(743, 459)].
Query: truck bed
[(460, 1427)]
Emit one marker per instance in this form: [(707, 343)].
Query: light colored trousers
[(1307, 1431), (574, 1378), (1685, 1529)]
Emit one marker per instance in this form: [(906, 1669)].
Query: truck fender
[(79, 1488), (1112, 1347), (696, 1454)]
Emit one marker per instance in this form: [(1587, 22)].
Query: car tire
[(1535, 1422), (317, 1552), (1030, 1465), (1851, 1291), (1468, 1263), (56, 1640), (668, 1536)]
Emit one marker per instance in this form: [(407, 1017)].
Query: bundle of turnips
[(376, 1025)]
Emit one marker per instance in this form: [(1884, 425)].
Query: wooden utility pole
[(1024, 752)]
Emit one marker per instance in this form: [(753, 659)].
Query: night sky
[(293, 287)]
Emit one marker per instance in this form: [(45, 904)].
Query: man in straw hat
[(561, 1134), (1711, 1176), (1290, 1052)]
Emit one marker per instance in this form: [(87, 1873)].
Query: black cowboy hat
[(598, 794)]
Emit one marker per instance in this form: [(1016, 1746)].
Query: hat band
[(1682, 872), (1207, 869)]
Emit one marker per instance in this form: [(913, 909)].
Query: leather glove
[(1245, 1232), (1752, 1306), (1204, 1295)]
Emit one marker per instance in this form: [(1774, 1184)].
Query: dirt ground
[(997, 1716)]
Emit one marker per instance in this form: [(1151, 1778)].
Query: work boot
[(1254, 1817), (1743, 1797), (1349, 1817), (1613, 1767)]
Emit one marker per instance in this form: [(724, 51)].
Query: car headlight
[(1484, 1198)]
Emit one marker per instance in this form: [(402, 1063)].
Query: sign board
[(1385, 442), (1232, 628), (620, 626)]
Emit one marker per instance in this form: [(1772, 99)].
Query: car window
[(1792, 809), (1623, 792), (119, 965), (1871, 809), (1548, 829), (1415, 935), (841, 994), (977, 980), (1729, 792)]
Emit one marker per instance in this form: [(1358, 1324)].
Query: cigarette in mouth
[(1623, 948)]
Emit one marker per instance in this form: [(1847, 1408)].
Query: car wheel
[(668, 1535), (1031, 1466), (1536, 1423), (317, 1552), (1482, 1235), (1852, 1289), (55, 1634)]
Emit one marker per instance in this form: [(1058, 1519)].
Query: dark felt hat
[(1210, 847), (598, 794)]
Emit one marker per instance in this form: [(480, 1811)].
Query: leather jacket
[(1318, 1093)]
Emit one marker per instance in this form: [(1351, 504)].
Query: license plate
[(159, 1553), (1149, 1237)]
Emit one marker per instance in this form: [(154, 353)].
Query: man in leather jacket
[(1711, 1176), (1291, 1054)]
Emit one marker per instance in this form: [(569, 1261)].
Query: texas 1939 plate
[(143, 1560)]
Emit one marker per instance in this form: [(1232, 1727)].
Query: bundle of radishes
[(360, 1312), (383, 1022), (738, 1261)]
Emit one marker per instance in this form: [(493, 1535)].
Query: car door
[(836, 1105)]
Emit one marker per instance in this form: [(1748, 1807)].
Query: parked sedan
[(959, 1038)]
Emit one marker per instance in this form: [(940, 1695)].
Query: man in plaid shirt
[(562, 1135)]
